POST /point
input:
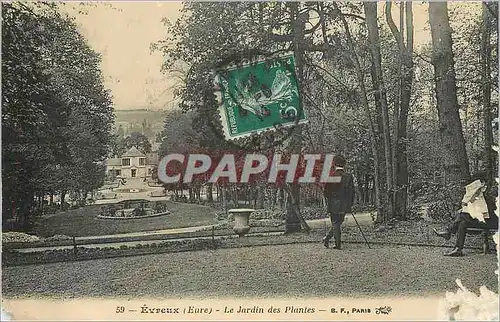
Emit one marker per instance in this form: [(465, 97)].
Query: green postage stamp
[(259, 96)]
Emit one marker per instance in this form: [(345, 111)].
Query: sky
[(123, 32)]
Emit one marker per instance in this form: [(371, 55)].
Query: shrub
[(160, 207), (268, 214), (107, 210), (139, 212), (65, 206), (443, 200), (313, 213), (50, 209), (363, 208), (179, 198), (441, 210), (220, 215), (414, 213)]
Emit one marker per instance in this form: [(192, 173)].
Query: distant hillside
[(148, 122)]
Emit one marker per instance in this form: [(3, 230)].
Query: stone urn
[(241, 220)]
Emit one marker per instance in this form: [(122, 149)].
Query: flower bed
[(402, 234), (225, 224), (130, 190), (158, 193), (18, 237), (132, 216), (132, 209), (308, 213), (51, 256), (50, 242), (12, 258)]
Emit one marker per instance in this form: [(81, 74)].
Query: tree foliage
[(385, 130), (56, 113), (139, 140)]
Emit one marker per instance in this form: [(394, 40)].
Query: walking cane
[(361, 230)]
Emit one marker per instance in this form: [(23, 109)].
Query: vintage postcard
[(256, 161)]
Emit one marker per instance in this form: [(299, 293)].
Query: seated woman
[(475, 207)]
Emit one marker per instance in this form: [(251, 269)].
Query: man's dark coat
[(340, 196)]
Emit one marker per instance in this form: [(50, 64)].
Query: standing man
[(339, 199)]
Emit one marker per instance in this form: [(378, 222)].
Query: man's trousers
[(463, 221), (337, 220)]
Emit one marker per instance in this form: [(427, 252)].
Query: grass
[(293, 270), (84, 221)]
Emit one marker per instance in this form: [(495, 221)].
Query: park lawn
[(293, 270), (84, 222)]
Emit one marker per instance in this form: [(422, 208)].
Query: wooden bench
[(485, 233)]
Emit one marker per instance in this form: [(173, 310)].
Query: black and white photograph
[(250, 160)]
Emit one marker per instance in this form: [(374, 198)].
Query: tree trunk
[(398, 205), (456, 164), (366, 107), (402, 105), (370, 9), (26, 203), (63, 196), (236, 197), (486, 95), (367, 200), (224, 199), (402, 183), (210, 197), (293, 205), (292, 222), (274, 196), (379, 169), (260, 196), (39, 200)]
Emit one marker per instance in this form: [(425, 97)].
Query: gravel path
[(298, 270)]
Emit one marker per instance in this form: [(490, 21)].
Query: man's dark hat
[(339, 160)]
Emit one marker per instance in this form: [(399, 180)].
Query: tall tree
[(402, 104), (230, 30), (353, 55), (456, 164), (56, 113), (370, 9), (298, 18), (485, 59)]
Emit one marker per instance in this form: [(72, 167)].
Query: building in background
[(132, 164)]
